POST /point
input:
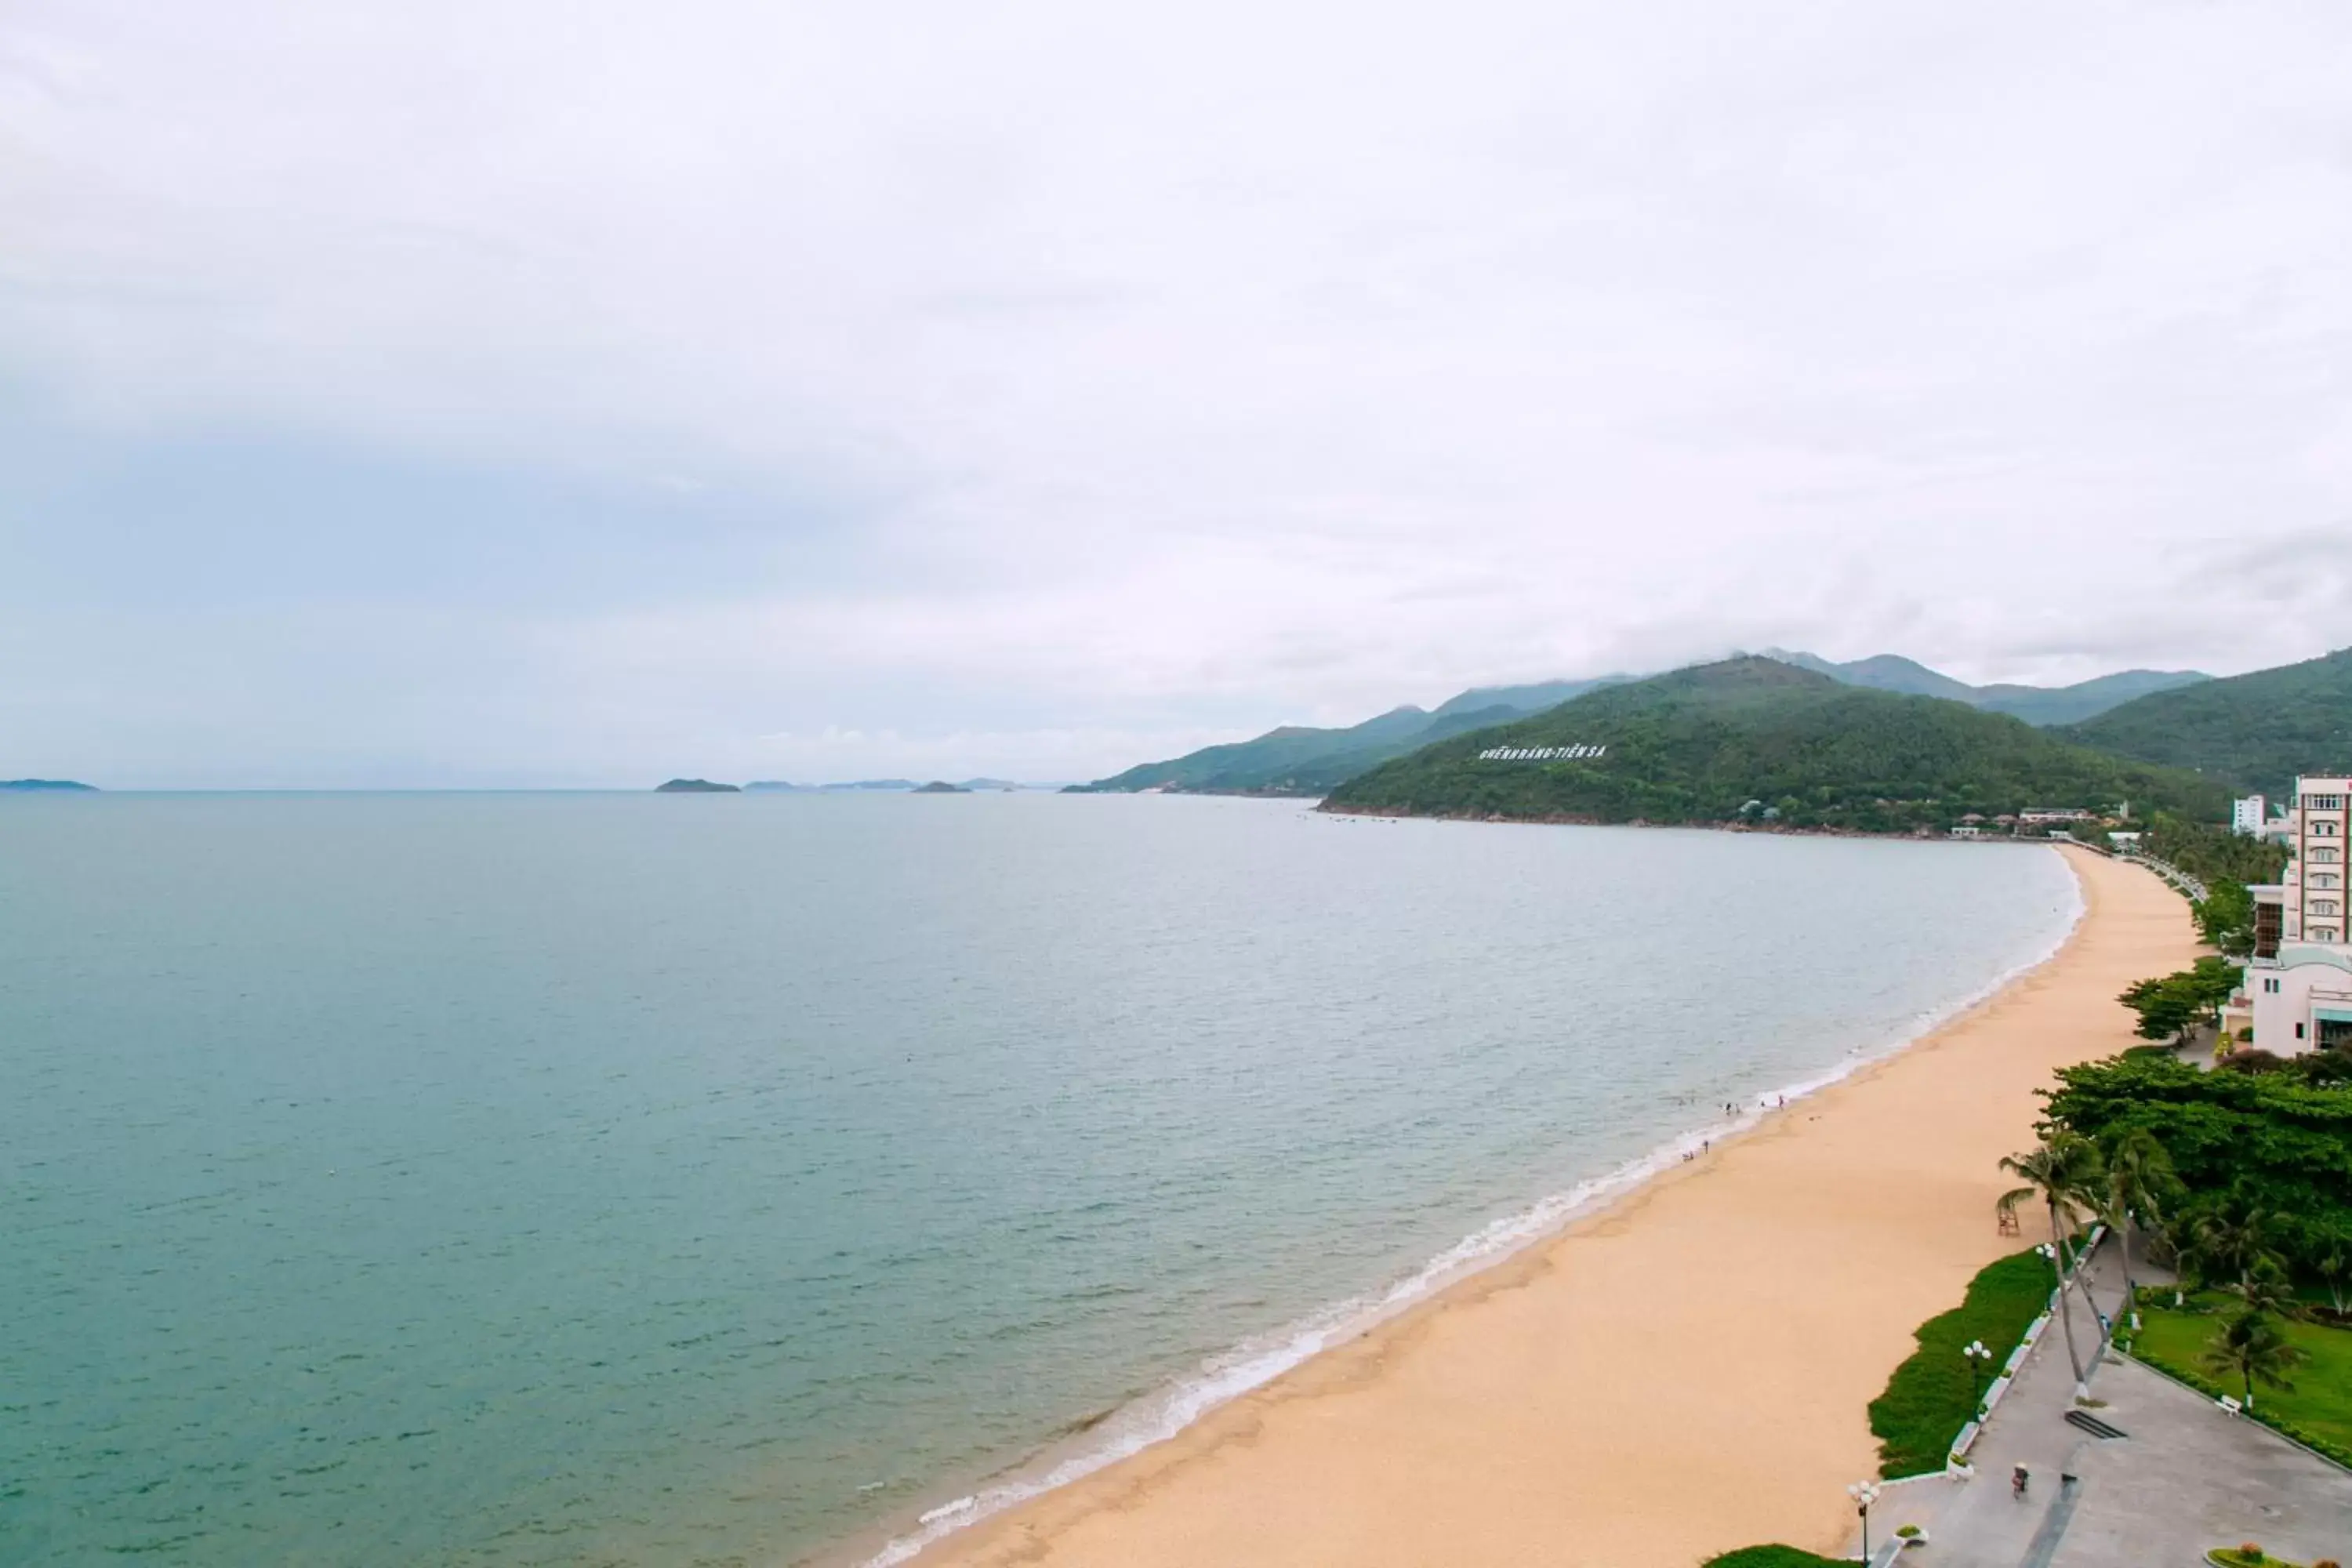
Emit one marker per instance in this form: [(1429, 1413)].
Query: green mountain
[(1295, 760), (2041, 705), (1532, 699), (1722, 742), (2250, 731)]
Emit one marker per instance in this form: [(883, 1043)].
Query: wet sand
[(1683, 1372)]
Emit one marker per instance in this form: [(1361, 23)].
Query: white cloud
[(1213, 367)]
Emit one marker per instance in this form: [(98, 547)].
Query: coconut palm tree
[(2250, 1346), (2063, 1173), (2267, 1291), (2139, 1181), (2335, 1266), (2233, 1243)]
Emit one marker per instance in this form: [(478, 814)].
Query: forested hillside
[(1759, 741), (2035, 704), (1304, 760), (2248, 731), (1295, 759)]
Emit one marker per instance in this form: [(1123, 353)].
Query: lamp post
[(1863, 1493), (1979, 1361)]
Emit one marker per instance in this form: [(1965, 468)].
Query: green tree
[(2249, 1346), (2064, 1173), (2166, 1008), (2280, 1141), (2170, 1004), (2333, 1263), (2139, 1182), (2230, 1246)]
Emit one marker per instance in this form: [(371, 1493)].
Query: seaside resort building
[(2299, 982)]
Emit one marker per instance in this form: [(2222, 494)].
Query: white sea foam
[(1226, 1377)]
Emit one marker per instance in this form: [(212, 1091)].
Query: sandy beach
[(1685, 1372)]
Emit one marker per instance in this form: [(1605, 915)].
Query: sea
[(602, 1178)]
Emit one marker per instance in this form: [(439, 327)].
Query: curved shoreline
[(1187, 1485)]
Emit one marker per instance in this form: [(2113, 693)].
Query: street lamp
[(1979, 1361), (1863, 1493)]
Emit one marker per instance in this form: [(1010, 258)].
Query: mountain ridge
[(2252, 731), (1754, 739), (1302, 760)]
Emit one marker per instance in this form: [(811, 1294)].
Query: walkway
[(2185, 1478)]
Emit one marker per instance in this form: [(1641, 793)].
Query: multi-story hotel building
[(2300, 979)]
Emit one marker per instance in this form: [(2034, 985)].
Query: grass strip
[(1934, 1393), (2317, 1413), (1775, 1557)]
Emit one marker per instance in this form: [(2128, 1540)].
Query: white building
[(2299, 982), (2247, 816)]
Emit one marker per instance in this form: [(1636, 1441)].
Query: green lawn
[(2319, 1411), (1932, 1395), (1775, 1557)]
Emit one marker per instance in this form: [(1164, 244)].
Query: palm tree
[(2063, 1173), (2139, 1180), (2249, 1345), (2332, 1265), (2267, 1291), (2233, 1241)]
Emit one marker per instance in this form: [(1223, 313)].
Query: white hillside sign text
[(1539, 753)]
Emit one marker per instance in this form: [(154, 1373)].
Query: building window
[(2298, 1031), (2322, 934), (2323, 830), (2324, 802), (2324, 856), (2324, 879), (2322, 906)]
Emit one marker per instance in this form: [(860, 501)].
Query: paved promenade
[(2186, 1476)]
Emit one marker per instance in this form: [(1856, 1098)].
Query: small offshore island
[(697, 786), (28, 787)]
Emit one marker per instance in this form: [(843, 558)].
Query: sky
[(552, 391)]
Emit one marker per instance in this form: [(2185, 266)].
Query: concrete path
[(2186, 1478)]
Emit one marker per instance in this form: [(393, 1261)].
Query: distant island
[(30, 784), (697, 786), (942, 786)]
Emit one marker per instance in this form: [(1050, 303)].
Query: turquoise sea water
[(560, 1179)]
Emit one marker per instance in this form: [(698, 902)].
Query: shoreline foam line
[(1228, 1375)]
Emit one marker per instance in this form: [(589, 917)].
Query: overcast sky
[(502, 392)]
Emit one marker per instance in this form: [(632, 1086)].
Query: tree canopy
[(2168, 1005), (2250, 731), (2276, 1142)]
